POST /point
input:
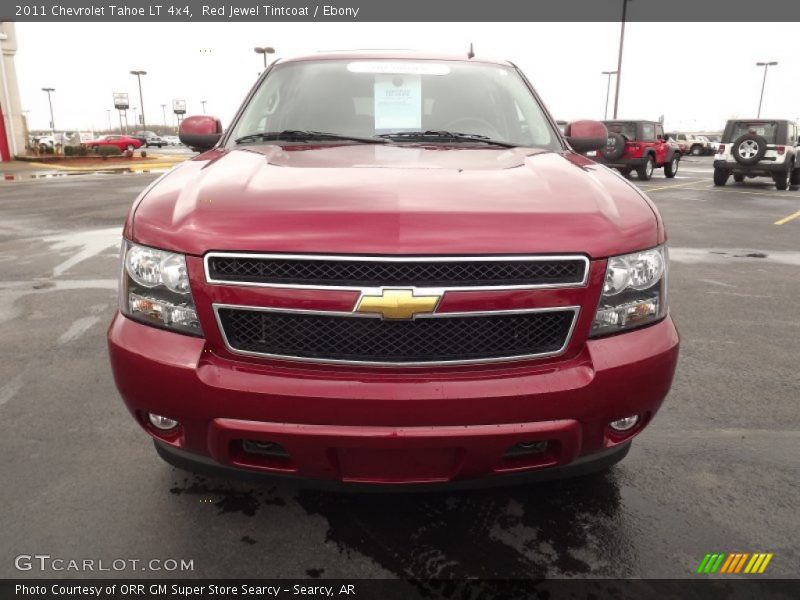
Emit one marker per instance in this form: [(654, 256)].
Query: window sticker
[(398, 68), (398, 102)]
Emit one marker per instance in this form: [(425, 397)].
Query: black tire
[(738, 177), (615, 146), (671, 167), (749, 149), (645, 172), (721, 176), (696, 150), (795, 178), (781, 180), (626, 172)]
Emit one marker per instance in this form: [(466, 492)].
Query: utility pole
[(619, 60), (608, 90)]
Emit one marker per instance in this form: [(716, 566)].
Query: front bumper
[(392, 426)]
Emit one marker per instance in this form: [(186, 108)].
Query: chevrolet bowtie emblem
[(397, 304)]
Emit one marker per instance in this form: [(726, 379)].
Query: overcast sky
[(695, 74)]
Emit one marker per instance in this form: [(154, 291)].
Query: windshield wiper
[(305, 136), (445, 136)]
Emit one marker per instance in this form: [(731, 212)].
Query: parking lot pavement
[(716, 471)]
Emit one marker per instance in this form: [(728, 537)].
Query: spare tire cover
[(615, 146)]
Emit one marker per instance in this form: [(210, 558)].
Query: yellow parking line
[(785, 220), (668, 187)]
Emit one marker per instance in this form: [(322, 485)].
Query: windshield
[(368, 98), (766, 129)]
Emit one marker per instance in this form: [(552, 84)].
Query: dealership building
[(13, 129)]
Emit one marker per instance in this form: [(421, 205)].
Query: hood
[(405, 200)]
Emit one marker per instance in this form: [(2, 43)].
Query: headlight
[(634, 292), (155, 289)]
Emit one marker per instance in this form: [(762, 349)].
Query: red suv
[(378, 276), (639, 146)]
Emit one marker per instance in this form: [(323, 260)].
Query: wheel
[(721, 176), (749, 149), (645, 172), (130, 148), (795, 178), (738, 177), (781, 180), (626, 172), (697, 150), (671, 168)]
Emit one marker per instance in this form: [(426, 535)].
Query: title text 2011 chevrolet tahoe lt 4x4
[(393, 269)]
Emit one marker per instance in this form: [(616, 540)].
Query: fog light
[(625, 424), (162, 423)]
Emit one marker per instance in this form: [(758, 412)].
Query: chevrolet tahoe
[(393, 269)]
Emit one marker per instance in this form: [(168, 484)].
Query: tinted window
[(371, 97), (766, 129), (628, 129)]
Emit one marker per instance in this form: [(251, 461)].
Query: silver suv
[(759, 148)]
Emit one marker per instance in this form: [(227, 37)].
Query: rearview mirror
[(200, 132), (584, 136)]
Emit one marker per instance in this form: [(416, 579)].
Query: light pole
[(164, 113), (608, 89), (135, 119), (50, 102), (141, 101), (203, 102), (619, 60), (766, 66), (263, 52)]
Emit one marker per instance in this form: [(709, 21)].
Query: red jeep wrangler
[(378, 276), (639, 146)]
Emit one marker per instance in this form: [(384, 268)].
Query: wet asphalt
[(716, 471)]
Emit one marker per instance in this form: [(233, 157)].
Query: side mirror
[(584, 136), (200, 132)]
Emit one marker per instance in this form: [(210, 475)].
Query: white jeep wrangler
[(759, 148)]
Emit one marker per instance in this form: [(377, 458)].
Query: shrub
[(69, 150), (81, 150), (109, 151)]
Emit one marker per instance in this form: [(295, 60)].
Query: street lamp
[(766, 66), (164, 113), (203, 102), (50, 102), (608, 89), (141, 101), (619, 60), (263, 52)]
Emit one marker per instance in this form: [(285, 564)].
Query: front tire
[(697, 150), (738, 177), (671, 168), (645, 172), (721, 176), (795, 178)]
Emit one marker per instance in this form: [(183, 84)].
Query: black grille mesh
[(376, 340), (305, 271)]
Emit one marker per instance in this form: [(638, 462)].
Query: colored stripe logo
[(737, 562)]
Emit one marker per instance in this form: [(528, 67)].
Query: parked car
[(697, 145), (350, 288), (639, 146), (715, 141), (759, 148), (682, 146), (172, 140), (123, 142), (155, 140)]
